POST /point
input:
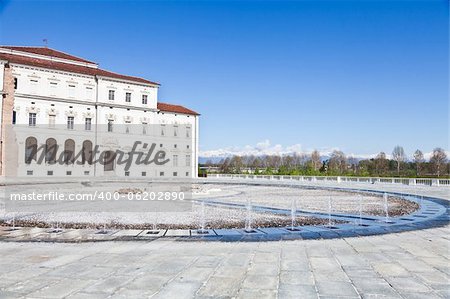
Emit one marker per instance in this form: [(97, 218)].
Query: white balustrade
[(339, 179)]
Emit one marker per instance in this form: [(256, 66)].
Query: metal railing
[(339, 179)]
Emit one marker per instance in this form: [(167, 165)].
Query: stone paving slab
[(409, 264), (127, 233), (402, 265), (178, 233)]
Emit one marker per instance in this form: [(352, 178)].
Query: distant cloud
[(260, 149), (265, 147)]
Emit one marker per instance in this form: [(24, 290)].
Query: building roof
[(175, 109), (61, 66), (46, 52), (78, 69)]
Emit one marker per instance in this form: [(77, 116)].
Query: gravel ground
[(305, 199), (216, 217)]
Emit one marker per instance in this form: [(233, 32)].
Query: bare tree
[(297, 160), (269, 161), (236, 164), (418, 159), (438, 158), (263, 162), (276, 160), (315, 159), (353, 162), (338, 162), (381, 163), (288, 162), (247, 161), (225, 165), (302, 159), (256, 163), (398, 154)]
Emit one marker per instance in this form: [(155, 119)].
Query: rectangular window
[(161, 173), (144, 173), (188, 160), (163, 130), (32, 119), (53, 88), (71, 90), (175, 160), (188, 132), (68, 172), (51, 121), (144, 99), (175, 131), (29, 172), (111, 95), (127, 173), (174, 146), (50, 172), (14, 118), (128, 97), (89, 92), (87, 124), (175, 173), (187, 173), (33, 85), (144, 129), (86, 173), (110, 125), (15, 83), (70, 121)]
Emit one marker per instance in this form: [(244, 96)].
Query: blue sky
[(361, 76)]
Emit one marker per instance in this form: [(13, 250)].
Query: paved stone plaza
[(411, 264)]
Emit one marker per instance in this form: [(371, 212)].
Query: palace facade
[(59, 105)]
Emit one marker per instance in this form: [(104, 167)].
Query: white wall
[(32, 81), (120, 89), (46, 99)]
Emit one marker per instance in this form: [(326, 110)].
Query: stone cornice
[(43, 69), (81, 102), (127, 81), (54, 99), (101, 104)]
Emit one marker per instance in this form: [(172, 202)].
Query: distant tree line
[(339, 164)]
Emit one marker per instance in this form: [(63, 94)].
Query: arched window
[(30, 149), (86, 156), (69, 151), (51, 148)]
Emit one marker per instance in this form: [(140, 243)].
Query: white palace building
[(58, 105)]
